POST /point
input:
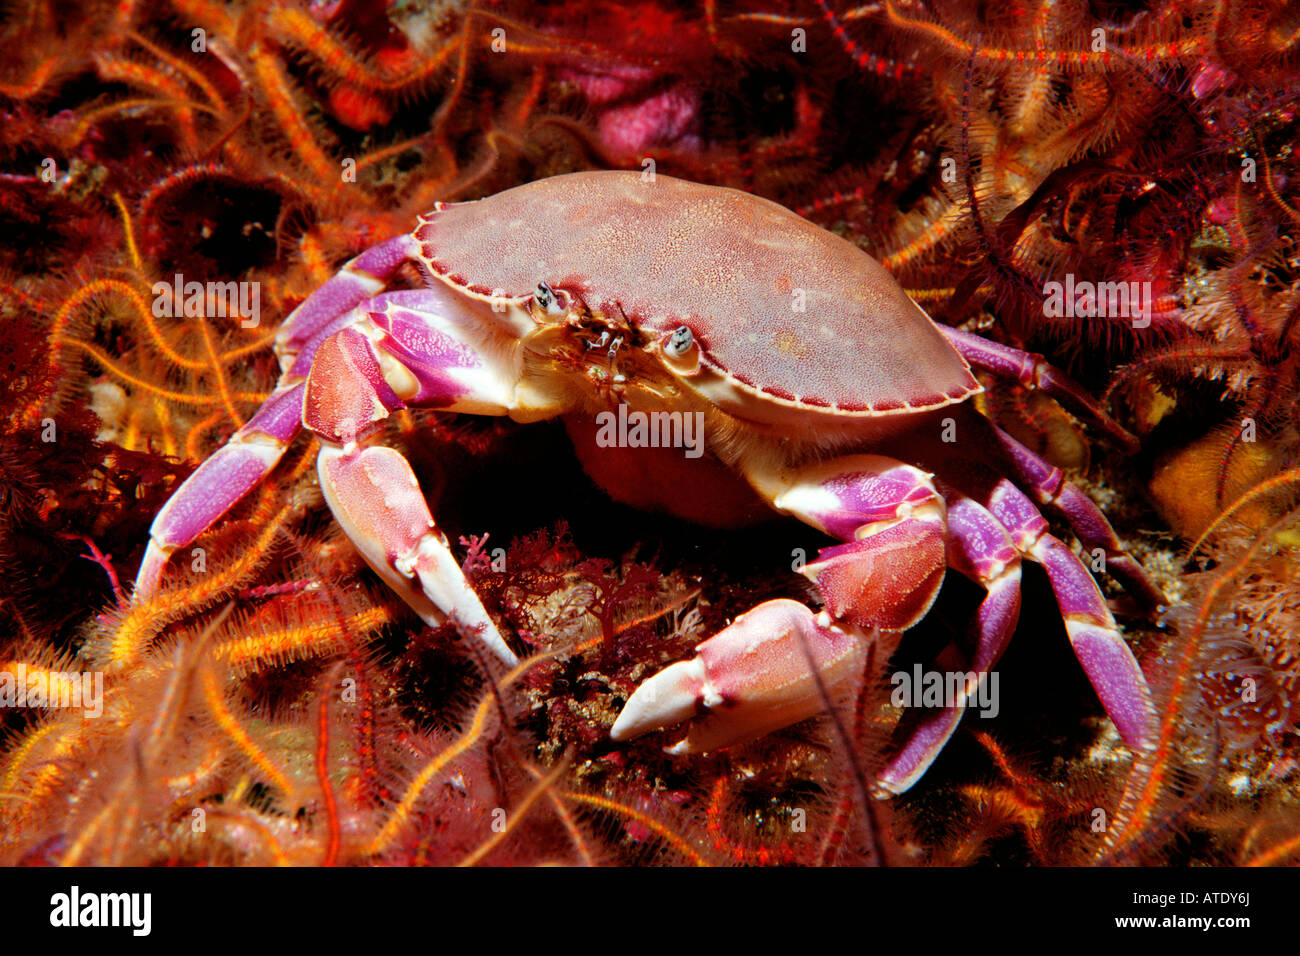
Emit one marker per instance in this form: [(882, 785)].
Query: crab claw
[(747, 680), (886, 579)]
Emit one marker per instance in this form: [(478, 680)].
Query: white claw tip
[(670, 697)]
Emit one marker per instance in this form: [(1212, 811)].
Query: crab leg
[(1048, 485), (1092, 631), (413, 342), (233, 471), (893, 521), (252, 452), (980, 548), (360, 278), (1033, 371)]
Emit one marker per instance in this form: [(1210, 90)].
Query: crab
[(825, 394)]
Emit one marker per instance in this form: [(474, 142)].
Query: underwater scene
[(782, 433)]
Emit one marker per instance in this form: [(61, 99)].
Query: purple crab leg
[(1048, 486), (980, 548), (253, 451), (360, 278), (249, 455), (229, 474), (1033, 371), (1095, 637), (892, 520)]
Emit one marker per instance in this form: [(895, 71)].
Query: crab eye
[(679, 342), (548, 299)]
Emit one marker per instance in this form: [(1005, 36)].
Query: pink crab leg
[(1097, 642), (1048, 485), (1033, 371), (980, 548), (749, 679), (753, 677)]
